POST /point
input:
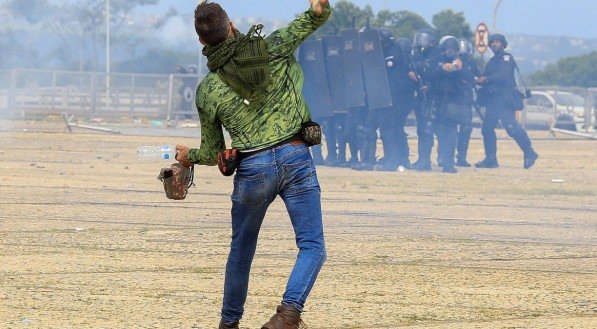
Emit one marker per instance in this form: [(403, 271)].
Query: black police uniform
[(406, 93), (465, 128), (392, 120), (366, 123), (501, 84), (369, 121), (453, 94), (424, 109)]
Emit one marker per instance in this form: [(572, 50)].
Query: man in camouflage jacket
[(254, 91)]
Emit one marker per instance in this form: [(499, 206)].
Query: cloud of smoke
[(178, 34), (4, 90)]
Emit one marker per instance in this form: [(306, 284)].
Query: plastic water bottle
[(156, 152)]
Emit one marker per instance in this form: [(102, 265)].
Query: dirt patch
[(88, 240)]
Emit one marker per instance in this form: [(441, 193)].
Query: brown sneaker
[(224, 325), (286, 317)]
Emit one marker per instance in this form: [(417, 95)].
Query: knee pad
[(428, 128), (465, 128), (486, 129), (513, 130), (361, 132)]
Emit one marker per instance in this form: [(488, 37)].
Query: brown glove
[(177, 179)]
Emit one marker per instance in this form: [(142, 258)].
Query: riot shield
[(315, 88), (374, 70), (332, 54), (186, 108), (354, 85)]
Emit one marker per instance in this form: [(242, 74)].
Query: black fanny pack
[(311, 133)]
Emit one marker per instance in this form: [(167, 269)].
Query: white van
[(546, 108)]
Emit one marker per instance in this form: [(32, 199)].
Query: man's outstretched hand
[(317, 6)]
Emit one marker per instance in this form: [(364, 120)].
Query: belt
[(295, 140)]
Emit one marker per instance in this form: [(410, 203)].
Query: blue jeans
[(287, 171)]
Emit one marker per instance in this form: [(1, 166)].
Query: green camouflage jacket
[(279, 113)]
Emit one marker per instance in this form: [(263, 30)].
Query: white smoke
[(178, 33)]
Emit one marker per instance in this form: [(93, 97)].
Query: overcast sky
[(572, 18)]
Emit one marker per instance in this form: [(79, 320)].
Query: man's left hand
[(182, 155)]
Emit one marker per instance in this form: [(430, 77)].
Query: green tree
[(448, 22), (404, 23), (346, 15), (578, 71)]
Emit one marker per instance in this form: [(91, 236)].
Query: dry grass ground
[(88, 240)]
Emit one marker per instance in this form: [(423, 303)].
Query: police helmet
[(386, 36), (449, 46), (500, 37), (465, 47), (448, 43), (443, 39), (424, 39)]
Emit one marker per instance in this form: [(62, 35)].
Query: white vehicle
[(548, 108)]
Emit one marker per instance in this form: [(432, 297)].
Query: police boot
[(405, 164), (363, 166), (341, 157), (446, 162), (529, 159), (460, 162), (421, 165), (449, 170), (490, 162), (224, 325), (286, 317), (385, 166), (350, 163)]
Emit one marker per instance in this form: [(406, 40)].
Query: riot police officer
[(452, 89), (391, 120), (367, 117), (424, 51), (406, 90), (498, 90), (465, 129)]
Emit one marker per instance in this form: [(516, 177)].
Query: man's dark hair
[(211, 23)]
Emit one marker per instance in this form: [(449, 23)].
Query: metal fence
[(34, 93)]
